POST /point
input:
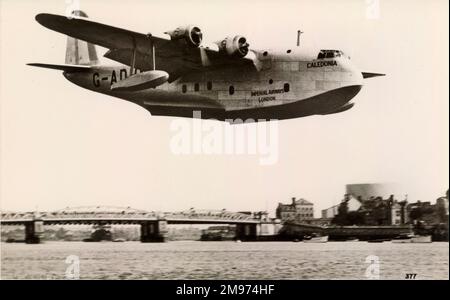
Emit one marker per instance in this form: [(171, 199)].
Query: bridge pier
[(246, 232), (33, 231), (154, 231)]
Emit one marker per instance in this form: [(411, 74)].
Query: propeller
[(196, 35), (243, 45)]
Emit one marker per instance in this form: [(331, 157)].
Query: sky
[(64, 146)]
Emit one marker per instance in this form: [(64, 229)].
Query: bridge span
[(153, 224)]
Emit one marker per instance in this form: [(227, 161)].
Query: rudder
[(80, 52)]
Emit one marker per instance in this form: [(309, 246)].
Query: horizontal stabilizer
[(66, 68), (369, 75)]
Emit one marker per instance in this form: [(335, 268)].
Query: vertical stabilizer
[(80, 52)]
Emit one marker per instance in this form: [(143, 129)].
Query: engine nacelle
[(191, 34), (236, 46)]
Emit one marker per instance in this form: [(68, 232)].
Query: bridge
[(153, 224)]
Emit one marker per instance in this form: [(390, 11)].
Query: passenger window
[(321, 55), (196, 87), (184, 88), (286, 87), (330, 55), (209, 85), (231, 90)]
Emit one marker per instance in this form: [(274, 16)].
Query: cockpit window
[(329, 54)]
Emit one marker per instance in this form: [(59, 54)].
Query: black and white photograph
[(255, 140)]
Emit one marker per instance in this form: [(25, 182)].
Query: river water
[(225, 260)]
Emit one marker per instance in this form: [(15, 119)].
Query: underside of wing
[(172, 54), (176, 64), (100, 34)]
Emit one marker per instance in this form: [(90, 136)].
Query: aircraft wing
[(172, 56)]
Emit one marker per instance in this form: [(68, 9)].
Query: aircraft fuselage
[(288, 85)]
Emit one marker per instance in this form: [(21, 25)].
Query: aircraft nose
[(351, 73)]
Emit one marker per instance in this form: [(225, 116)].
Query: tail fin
[(80, 52)]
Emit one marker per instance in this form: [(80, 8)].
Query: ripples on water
[(224, 260)]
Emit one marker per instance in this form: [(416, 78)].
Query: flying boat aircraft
[(178, 75)]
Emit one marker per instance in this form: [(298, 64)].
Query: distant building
[(443, 202), (301, 211), (383, 205), (379, 203), (420, 211), (353, 204), (330, 212), (365, 191), (396, 213), (442, 208), (379, 211), (427, 213), (371, 204)]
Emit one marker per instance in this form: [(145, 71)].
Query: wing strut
[(143, 80), (133, 58), (153, 56)]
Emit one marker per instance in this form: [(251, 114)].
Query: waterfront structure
[(364, 191), (353, 204), (442, 207), (384, 212), (219, 233), (428, 213), (370, 204), (153, 224), (268, 227), (396, 212), (300, 211), (321, 222)]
